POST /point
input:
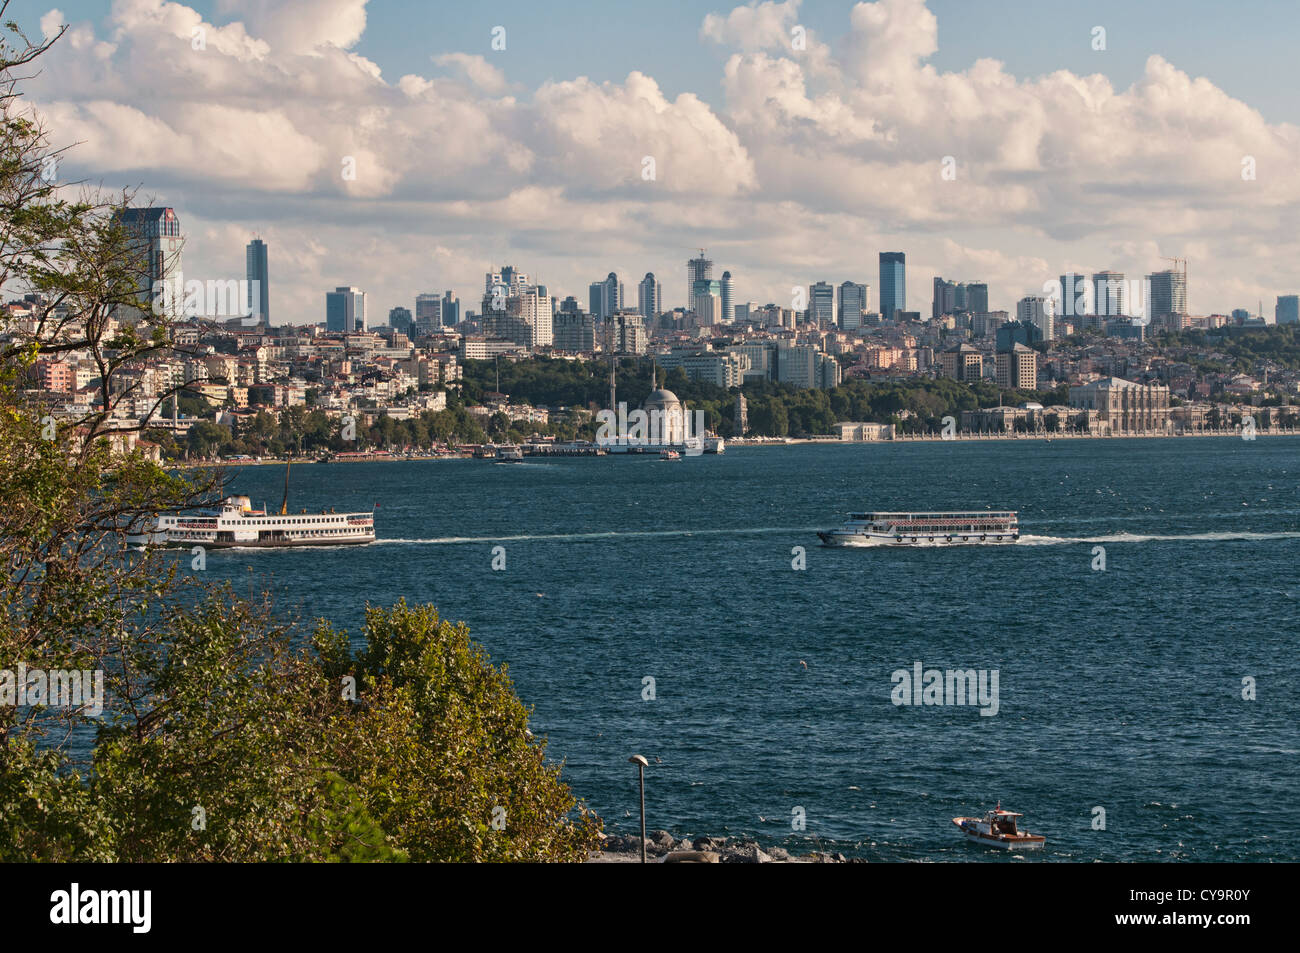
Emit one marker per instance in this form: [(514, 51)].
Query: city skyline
[(1051, 172)]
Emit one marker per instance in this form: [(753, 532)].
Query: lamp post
[(641, 764)]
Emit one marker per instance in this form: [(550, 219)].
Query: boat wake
[(578, 537), (1230, 536)]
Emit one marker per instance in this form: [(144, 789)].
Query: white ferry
[(236, 523), (997, 828), (978, 527)]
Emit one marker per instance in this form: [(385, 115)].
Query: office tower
[(1168, 293), (728, 301), (1287, 310), (853, 301), (1110, 293), (1040, 311), (574, 331), (893, 284), (697, 269), (945, 298), (1017, 367), (259, 281), (428, 313), (821, 304), (1076, 296), (345, 310), (154, 243), (649, 297), (400, 319), (1011, 333), (1240, 315), (977, 297), (450, 310), (569, 305), (605, 297)]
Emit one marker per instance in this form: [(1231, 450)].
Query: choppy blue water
[(1119, 689)]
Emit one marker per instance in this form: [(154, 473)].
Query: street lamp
[(641, 764)]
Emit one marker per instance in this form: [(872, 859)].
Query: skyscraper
[(649, 297), (945, 298), (345, 310), (1287, 310), (1168, 294), (428, 312), (853, 301), (400, 319), (821, 304), (697, 269), (977, 297), (1076, 296), (728, 302), (1040, 311), (450, 310), (154, 244), (259, 283), (605, 297), (1110, 292), (893, 284)]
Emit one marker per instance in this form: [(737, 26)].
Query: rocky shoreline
[(663, 848)]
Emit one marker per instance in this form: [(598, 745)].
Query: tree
[(221, 736)]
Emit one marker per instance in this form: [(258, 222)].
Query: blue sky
[(790, 167), (1248, 48)]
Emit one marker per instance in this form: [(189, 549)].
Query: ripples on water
[(1119, 689)]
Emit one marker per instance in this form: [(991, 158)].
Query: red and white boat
[(998, 828)]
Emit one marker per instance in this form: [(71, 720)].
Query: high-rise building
[(428, 313), (154, 244), (400, 319), (1017, 367), (1076, 296), (259, 282), (605, 297), (345, 310), (697, 269), (450, 310), (728, 301), (945, 298), (1287, 310), (1168, 294), (1040, 311), (1110, 293), (574, 331), (650, 296), (821, 304), (1010, 333), (853, 301), (893, 284), (977, 297)]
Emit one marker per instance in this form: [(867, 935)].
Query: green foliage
[(223, 736)]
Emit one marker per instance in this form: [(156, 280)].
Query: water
[(1119, 689)]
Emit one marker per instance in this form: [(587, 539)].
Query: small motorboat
[(671, 455), (997, 828)]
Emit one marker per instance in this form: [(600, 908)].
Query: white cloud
[(817, 160)]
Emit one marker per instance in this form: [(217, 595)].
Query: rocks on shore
[(662, 847)]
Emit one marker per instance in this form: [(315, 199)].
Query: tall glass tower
[(259, 286), (893, 284)]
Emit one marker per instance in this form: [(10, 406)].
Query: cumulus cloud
[(821, 154)]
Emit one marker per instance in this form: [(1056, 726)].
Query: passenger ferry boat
[(510, 455), (997, 828), (235, 523), (977, 527)]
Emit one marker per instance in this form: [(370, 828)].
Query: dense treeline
[(1245, 347), (774, 410)]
